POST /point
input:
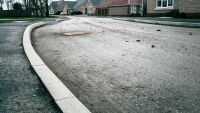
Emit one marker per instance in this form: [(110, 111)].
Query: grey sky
[(4, 5)]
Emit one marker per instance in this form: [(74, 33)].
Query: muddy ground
[(125, 67)]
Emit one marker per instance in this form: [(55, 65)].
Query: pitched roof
[(126, 2), (80, 3), (105, 3), (96, 2), (70, 4), (57, 6)]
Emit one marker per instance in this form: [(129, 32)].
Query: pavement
[(169, 21), (20, 88), (115, 66)]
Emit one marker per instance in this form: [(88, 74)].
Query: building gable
[(89, 4)]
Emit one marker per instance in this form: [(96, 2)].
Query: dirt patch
[(74, 33)]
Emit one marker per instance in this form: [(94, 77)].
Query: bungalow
[(80, 5), (88, 6), (56, 7), (126, 8), (69, 7), (190, 8), (102, 8)]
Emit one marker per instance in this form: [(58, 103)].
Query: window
[(164, 3), (158, 3), (170, 2)]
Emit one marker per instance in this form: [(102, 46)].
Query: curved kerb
[(63, 97)]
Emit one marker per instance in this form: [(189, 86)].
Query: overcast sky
[(4, 5), (65, 0)]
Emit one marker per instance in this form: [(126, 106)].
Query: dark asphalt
[(21, 91)]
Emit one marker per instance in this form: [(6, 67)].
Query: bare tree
[(47, 8), (1, 4), (9, 4), (37, 6), (28, 4), (41, 8), (25, 2), (1, 7)]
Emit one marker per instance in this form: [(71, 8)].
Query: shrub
[(17, 6)]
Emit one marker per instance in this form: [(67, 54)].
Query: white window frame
[(163, 8)]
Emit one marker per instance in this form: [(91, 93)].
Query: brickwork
[(119, 10), (90, 8), (190, 7), (151, 7)]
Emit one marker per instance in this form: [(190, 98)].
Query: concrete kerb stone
[(168, 23), (63, 97)]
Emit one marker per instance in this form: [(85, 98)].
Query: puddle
[(75, 33)]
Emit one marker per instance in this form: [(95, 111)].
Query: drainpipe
[(129, 7), (142, 7)]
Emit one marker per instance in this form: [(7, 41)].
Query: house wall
[(191, 8), (79, 9), (152, 11), (90, 8), (102, 12), (118, 10), (65, 10)]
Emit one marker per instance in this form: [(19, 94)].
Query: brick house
[(69, 7), (87, 6), (126, 8), (102, 8), (80, 5), (56, 7), (190, 8)]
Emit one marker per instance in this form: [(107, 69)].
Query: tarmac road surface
[(116, 66), (21, 91)]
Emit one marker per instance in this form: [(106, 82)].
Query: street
[(115, 66), (21, 91)]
